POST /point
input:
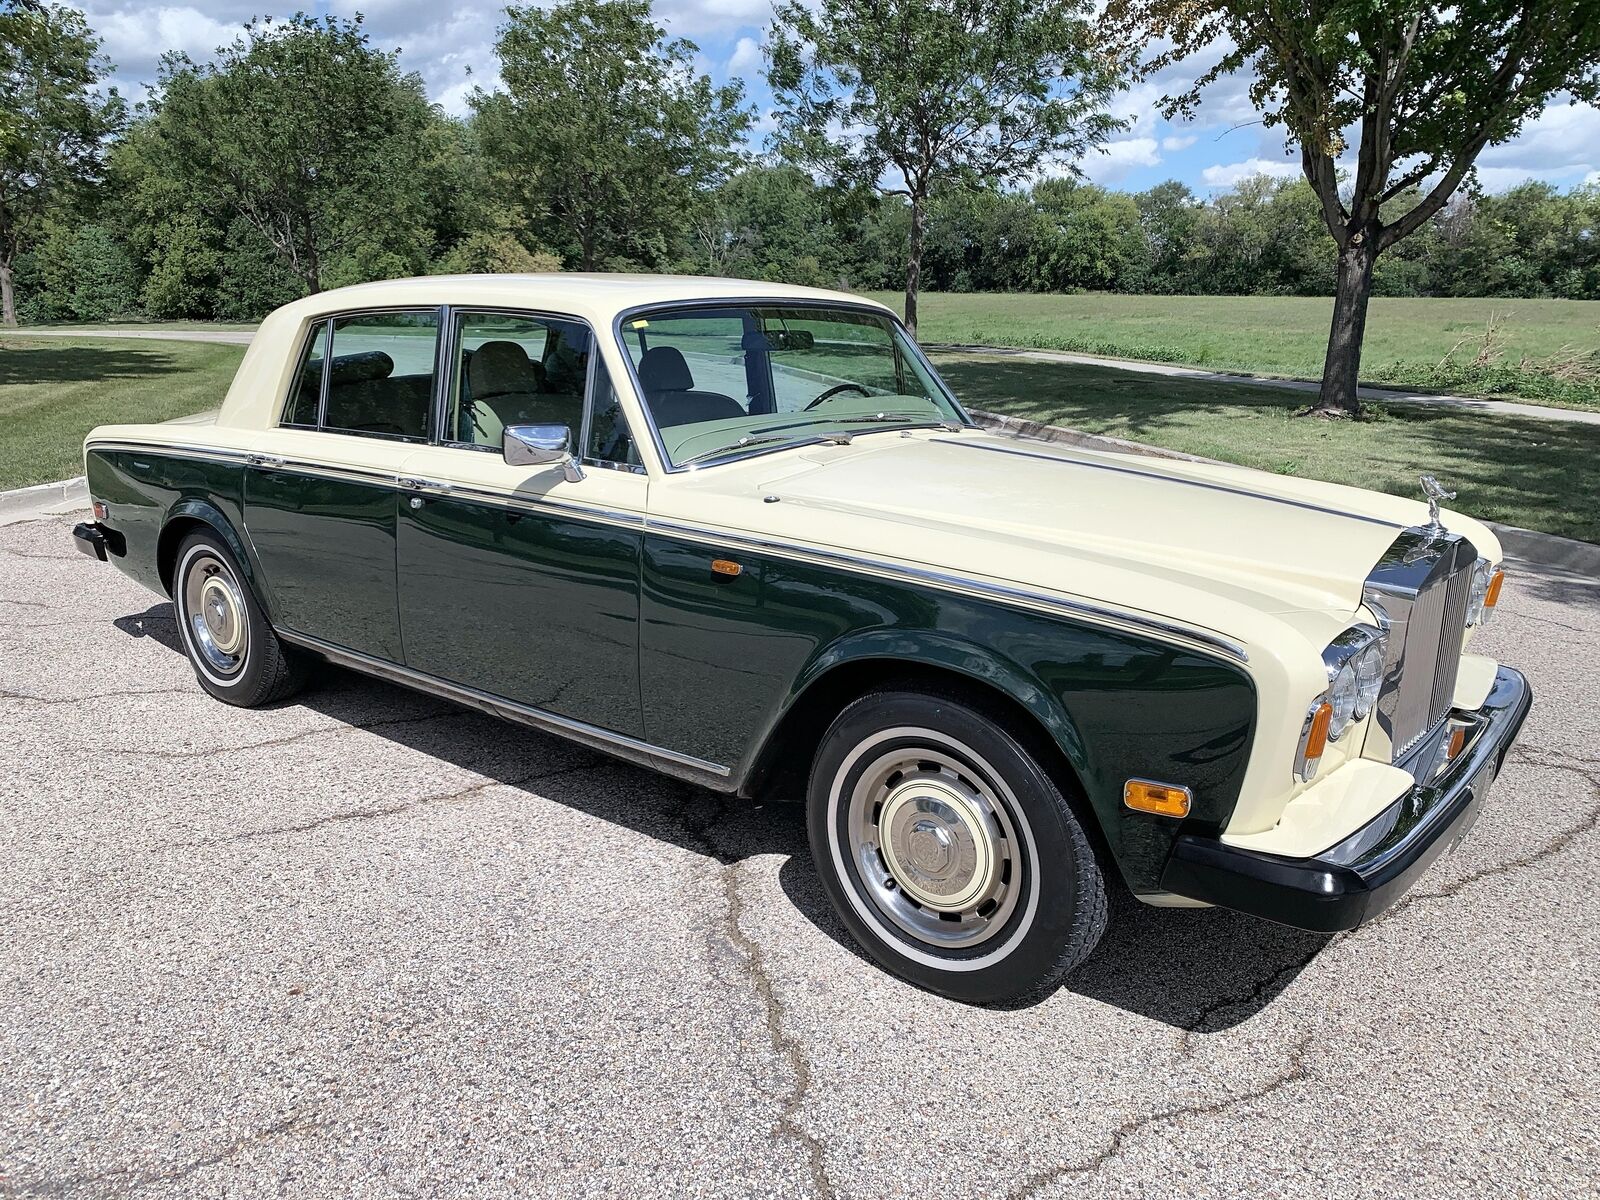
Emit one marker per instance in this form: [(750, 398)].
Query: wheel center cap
[(937, 845), (930, 847)]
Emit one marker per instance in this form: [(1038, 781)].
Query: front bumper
[(1373, 867)]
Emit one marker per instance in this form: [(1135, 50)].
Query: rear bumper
[(1373, 867), (90, 539)]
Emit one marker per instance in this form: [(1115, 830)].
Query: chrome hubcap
[(214, 612), (935, 846)]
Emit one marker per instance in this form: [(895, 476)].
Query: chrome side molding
[(633, 749)]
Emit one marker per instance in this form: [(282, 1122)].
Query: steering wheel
[(834, 391)]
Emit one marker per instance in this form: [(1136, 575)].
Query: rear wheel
[(236, 655), (949, 852)]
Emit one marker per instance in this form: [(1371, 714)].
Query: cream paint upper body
[(1268, 565)]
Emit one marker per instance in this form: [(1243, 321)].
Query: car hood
[(1149, 533)]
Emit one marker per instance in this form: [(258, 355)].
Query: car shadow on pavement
[(1202, 970)]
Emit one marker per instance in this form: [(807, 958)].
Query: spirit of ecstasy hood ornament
[(1434, 491)]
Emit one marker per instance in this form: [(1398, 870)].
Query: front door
[(320, 503), (514, 581)]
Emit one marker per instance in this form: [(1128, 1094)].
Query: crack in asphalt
[(1294, 1071), (132, 1179), (7, 694), (785, 1044), (378, 812), (1261, 987), (1550, 849), (287, 739), (1550, 621)]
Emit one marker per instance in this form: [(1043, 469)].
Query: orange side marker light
[(1162, 799)]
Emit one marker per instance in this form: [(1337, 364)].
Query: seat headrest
[(662, 369), (497, 368), (361, 367)]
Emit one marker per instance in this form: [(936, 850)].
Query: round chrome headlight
[(1344, 693), (1355, 661), (1369, 676)]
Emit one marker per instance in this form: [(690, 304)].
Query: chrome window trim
[(304, 344), (454, 312), (499, 706), (947, 581), (638, 310), (1200, 483)]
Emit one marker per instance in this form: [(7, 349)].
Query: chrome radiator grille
[(1422, 585)]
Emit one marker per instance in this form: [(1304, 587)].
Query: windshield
[(722, 381)]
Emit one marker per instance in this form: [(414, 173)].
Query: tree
[(606, 132), (1425, 87), (910, 96), (311, 137), (52, 123)]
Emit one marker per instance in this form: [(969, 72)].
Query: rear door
[(321, 506)]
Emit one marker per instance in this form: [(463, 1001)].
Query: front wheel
[(949, 852), (236, 655)]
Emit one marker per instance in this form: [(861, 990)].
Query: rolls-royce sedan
[(743, 534)]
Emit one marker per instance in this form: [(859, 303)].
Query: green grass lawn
[(1538, 474), (54, 390), (1287, 335)]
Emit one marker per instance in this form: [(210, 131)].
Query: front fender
[(944, 651)]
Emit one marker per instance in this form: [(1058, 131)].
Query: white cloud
[(1175, 142), (1592, 179), (745, 62), (1225, 175), (1113, 160)]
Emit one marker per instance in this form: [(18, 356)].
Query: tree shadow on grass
[(1543, 475), (63, 362)]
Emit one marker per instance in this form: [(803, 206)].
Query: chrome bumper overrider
[(1373, 867)]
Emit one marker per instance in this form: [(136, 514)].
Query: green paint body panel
[(543, 610), (327, 546), (633, 632), (721, 664)]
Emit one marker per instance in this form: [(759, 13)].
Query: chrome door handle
[(264, 460), (412, 484)]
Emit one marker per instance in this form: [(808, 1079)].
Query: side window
[(609, 439), (380, 374), (515, 370), (306, 394)]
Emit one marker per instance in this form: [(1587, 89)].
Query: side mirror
[(539, 446)]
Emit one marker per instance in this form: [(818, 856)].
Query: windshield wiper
[(733, 449), (909, 420)]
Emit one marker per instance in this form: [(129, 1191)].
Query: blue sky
[(451, 46)]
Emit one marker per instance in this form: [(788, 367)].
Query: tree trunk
[(8, 292), (914, 262), (1343, 365)]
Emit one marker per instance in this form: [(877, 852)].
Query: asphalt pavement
[(368, 944)]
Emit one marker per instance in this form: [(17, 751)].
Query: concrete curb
[(1541, 549), (45, 495)]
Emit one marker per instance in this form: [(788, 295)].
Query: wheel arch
[(933, 662), (187, 516)]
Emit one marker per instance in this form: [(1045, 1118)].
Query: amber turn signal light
[(726, 566), (101, 512), (1316, 741), (1163, 799), (1492, 596)]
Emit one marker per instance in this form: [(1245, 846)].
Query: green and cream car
[(742, 533)]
